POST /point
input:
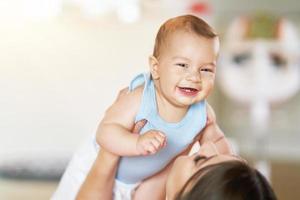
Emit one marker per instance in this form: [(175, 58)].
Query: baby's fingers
[(161, 139), (156, 144), (151, 149)]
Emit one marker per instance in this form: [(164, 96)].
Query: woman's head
[(230, 180), (210, 175)]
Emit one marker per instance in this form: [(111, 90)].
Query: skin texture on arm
[(113, 132), (99, 183), (213, 133), (100, 180), (153, 187)]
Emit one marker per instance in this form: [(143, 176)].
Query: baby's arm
[(114, 132), (100, 180), (213, 133)]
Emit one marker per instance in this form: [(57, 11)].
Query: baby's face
[(186, 68)]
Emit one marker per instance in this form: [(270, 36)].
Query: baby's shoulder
[(132, 97), (137, 92), (126, 105)]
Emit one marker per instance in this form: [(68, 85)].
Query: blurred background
[(62, 63)]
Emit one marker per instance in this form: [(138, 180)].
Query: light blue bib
[(179, 135)]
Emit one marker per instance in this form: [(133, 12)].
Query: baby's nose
[(208, 149), (194, 76)]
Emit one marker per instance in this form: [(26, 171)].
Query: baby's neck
[(168, 111)]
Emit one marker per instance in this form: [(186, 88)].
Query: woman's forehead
[(225, 157)]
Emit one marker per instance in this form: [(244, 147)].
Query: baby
[(172, 100)]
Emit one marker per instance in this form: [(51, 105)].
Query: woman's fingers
[(139, 125)]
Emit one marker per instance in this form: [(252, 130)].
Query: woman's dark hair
[(231, 180)]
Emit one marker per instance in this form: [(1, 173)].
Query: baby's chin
[(188, 101)]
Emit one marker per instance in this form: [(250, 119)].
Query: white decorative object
[(259, 66)]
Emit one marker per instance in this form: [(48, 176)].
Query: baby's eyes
[(182, 65), (206, 70), (202, 69)]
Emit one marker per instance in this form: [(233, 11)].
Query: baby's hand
[(150, 142)]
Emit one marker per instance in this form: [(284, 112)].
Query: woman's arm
[(213, 133), (99, 183), (153, 187)]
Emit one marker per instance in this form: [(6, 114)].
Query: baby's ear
[(153, 64)]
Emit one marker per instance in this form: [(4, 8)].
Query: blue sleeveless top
[(179, 135)]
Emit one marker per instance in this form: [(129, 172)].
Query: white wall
[(57, 79)]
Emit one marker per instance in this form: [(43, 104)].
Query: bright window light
[(22, 11)]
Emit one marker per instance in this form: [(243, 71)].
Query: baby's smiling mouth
[(188, 91)]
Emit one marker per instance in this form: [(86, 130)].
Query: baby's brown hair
[(188, 23)]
